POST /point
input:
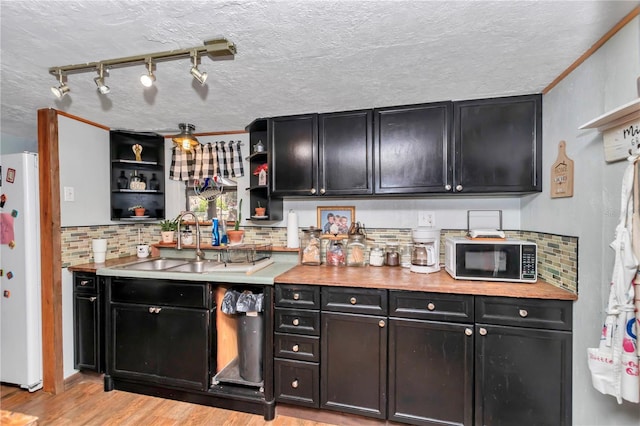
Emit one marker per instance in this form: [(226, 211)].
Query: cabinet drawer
[(297, 296), (354, 300), (303, 348), (85, 283), (535, 313), (297, 382), (433, 306), (161, 292), (297, 321)]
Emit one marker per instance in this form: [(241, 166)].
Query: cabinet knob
[(295, 348), (294, 384), (322, 191), (353, 300), (381, 323), (523, 313), (296, 296), (295, 321), (458, 187), (447, 187), (92, 299), (468, 331), (431, 306), (313, 191), (152, 309), (158, 310), (84, 282), (482, 331)]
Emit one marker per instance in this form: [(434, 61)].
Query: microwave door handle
[(496, 263)]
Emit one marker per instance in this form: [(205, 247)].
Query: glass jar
[(405, 251), (355, 250), (336, 255), (376, 258), (392, 257), (310, 246)]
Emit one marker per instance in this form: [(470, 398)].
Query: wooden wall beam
[(51, 258)]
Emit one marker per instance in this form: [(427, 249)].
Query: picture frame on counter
[(336, 220)]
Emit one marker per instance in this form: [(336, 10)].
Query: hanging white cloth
[(614, 364)]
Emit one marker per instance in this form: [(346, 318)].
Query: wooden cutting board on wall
[(562, 174)]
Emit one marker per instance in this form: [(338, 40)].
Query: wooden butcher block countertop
[(397, 278), (93, 267)]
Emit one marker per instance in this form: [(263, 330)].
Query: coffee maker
[(425, 254)]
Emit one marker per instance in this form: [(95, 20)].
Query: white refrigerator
[(20, 285)]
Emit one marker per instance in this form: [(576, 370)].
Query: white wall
[(85, 167), (605, 81)]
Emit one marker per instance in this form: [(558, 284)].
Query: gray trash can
[(247, 306)]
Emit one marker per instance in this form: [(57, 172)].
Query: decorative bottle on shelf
[(136, 183), (154, 184), (143, 179), (122, 181)]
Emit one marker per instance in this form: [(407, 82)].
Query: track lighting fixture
[(148, 78), (102, 88), (217, 49), (195, 72), (61, 90), (185, 139)]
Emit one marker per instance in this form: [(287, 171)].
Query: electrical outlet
[(426, 218), (69, 193)]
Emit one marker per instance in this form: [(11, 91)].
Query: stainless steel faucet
[(199, 253)]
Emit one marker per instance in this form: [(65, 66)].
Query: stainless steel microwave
[(491, 260)]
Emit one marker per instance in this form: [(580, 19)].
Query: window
[(224, 206)]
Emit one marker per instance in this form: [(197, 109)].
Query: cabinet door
[(294, 155), (430, 372), (353, 372), (183, 347), (498, 145), (85, 330), (134, 337), (411, 146), (522, 376), (345, 154)]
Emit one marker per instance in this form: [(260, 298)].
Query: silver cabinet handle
[(447, 187), (322, 191), (158, 310), (313, 191), (459, 188), (295, 321), (92, 299), (431, 306), (294, 384), (353, 300), (468, 331), (152, 309), (296, 296), (84, 282), (523, 313), (295, 348), (482, 331), (381, 323)]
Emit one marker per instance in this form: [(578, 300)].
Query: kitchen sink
[(154, 264), (197, 266)]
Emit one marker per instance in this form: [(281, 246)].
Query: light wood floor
[(85, 403)]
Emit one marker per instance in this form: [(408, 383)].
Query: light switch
[(69, 193)]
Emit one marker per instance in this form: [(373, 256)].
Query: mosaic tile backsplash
[(557, 254)]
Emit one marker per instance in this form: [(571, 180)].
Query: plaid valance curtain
[(206, 161)]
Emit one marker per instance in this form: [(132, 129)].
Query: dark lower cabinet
[(522, 376), (430, 372), (353, 367), (88, 322)]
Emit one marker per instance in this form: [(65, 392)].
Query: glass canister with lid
[(336, 255), (392, 257), (355, 250), (310, 246), (376, 257)]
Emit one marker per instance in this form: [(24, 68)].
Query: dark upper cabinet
[(411, 147), (149, 168), (326, 154), (498, 145), (294, 154)]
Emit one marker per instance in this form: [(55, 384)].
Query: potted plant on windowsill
[(168, 230), (236, 234), (137, 210), (260, 211)]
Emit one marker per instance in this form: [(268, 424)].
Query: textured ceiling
[(293, 56)]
